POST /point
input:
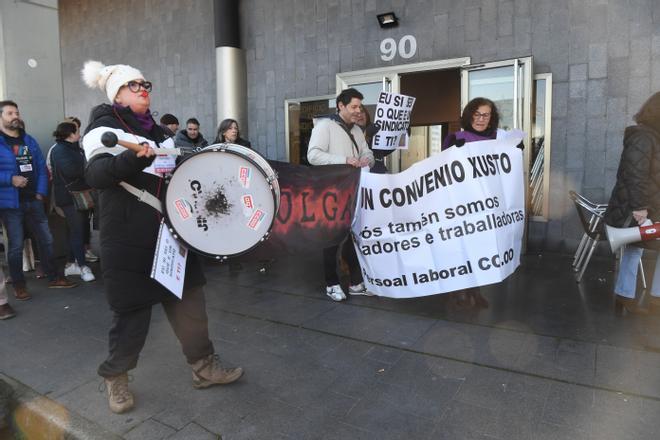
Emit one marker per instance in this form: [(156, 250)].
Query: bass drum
[(222, 201)]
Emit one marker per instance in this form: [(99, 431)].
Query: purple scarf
[(145, 119), (468, 135)]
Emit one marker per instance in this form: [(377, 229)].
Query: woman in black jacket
[(68, 162), (228, 132), (129, 229), (636, 199)]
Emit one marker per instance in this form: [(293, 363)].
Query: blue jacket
[(9, 168)]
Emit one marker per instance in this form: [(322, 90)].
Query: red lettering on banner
[(309, 208)]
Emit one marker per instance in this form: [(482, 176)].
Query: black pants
[(349, 255), (129, 332)]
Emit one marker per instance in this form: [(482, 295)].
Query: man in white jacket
[(339, 140)]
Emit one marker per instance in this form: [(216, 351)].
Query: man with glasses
[(23, 189), (129, 231)]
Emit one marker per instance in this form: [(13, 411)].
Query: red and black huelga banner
[(316, 209)]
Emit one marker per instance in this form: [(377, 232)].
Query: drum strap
[(343, 125), (143, 196)]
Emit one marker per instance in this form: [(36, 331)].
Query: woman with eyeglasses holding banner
[(479, 122), (129, 231)]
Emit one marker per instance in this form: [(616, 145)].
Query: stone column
[(231, 76)]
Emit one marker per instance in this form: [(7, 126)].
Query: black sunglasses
[(134, 86)]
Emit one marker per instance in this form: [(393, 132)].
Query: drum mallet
[(110, 140)]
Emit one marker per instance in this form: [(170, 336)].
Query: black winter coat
[(68, 162), (638, 178), (129, 228), (238, 141), (189, 145)]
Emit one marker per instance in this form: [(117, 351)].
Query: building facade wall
[(603, 54), (30, 71), (171, 43)]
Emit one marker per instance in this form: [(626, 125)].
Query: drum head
[(220, 203)]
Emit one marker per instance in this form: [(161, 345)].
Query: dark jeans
[(75, 222), (129, 332), (330, 263), (87, 233), (34, 215)]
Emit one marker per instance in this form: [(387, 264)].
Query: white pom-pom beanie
[(109, 78)]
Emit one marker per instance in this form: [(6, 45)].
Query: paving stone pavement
[(546, 360)]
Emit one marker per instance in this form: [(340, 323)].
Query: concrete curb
[(33, 416)]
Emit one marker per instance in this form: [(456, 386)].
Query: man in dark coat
[(190, 139), (129, 230)]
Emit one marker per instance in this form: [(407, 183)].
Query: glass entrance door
[(541, 147), (509, 85), (299, 115)]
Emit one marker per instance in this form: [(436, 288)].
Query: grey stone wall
[(171, 42), (603, 54), (36, 88)]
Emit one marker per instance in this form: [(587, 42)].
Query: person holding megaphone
[(635, 201)]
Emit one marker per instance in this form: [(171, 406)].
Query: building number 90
[(407, 47)]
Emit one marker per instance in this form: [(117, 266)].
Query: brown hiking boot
[(6, 312), (21, 293), (208, 372), (61, 283), (119, 398)]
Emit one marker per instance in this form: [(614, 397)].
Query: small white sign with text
[(169, 266)]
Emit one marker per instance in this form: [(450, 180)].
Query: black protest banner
[(316, 209)]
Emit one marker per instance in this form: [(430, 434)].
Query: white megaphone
[(621, 236)]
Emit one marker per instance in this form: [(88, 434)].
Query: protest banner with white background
[(449, 222), (393, 117)]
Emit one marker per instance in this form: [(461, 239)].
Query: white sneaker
[(90, 257), (28, 256), (72, 269), (87, 274), (335, 293), (359, 289)]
